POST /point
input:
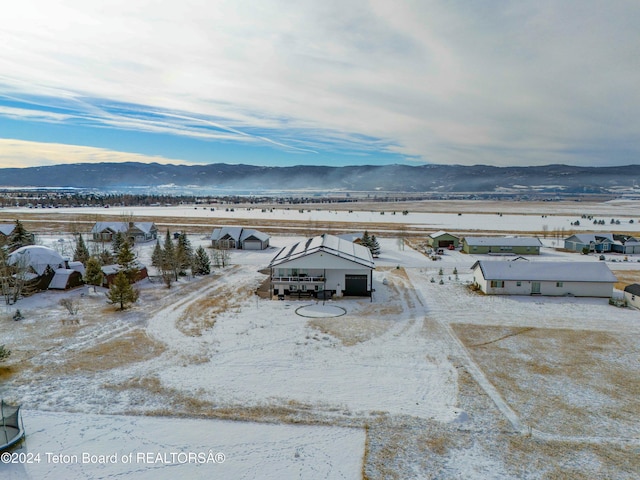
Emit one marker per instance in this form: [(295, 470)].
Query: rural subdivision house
[(602, 243), (632, 295), (133, 231), (321, 267), (239, 238), (502, 245), (109, 273), (579, 279), (442, 240), (43, 268), (595, 242)]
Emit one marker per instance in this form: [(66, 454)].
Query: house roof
[(37, 257), (503, 241), (61, 278), (239, 234), (440, 233), (586, 238), (326, 243), (633, 289), (546, 271), (7, 228), (123, 227)]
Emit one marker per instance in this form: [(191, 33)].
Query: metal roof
[(330, 244), (503, 241), (633, 289), (7, 228), (546, 271)]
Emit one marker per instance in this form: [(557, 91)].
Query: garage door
[(445, 243), (252, 245), (356, 285)]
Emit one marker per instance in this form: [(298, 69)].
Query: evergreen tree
[(117, 242), (156, 256), (106, 257), (375, 247), (4, 353), (366, 240), (184, 254), (121, 291), (201, 262), (169, 270), (81, 253), (20, 237), (127, 260), (93, 272)]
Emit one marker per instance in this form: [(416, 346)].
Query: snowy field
[(436, 381)]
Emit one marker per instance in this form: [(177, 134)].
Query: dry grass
[(133, 347), (572, 382), (201, 314), (626, 277), (351, 330)]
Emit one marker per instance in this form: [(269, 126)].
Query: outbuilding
[(632, 295), (502, 245), (442, 240), (579, 279)]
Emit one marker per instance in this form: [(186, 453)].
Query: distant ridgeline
[(224, 179)]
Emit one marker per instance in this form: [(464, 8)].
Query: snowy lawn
[(78, 446)]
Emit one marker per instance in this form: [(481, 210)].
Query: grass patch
[(570, 382)]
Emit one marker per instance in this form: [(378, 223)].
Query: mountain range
[(368, 178)]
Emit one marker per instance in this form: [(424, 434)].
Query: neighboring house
[(595, 242), (625, 244), (109, 273), (322, 266), (352, 237), (442, 240), (239, 238), (502, 245), (43, 268), (579, 279), (5, 230), (134, 231), (632, 295)]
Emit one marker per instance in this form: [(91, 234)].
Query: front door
[(535, 288)]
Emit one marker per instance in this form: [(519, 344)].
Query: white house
[(240, 238), (580, 279), (322, 265), (632, 295)]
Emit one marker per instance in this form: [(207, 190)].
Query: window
[(558, 284), (303, 288), (497, 283), (518, 284), (293, 288)]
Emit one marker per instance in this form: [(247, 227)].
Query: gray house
[(579, 279), (239, 238), (595, 242), (134, 231), (502, 245)]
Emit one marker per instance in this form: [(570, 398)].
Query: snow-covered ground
[(392, 368)]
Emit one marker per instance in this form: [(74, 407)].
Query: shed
[(502, 245), (632, 295)]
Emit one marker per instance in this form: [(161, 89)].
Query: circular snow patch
[(320, 311)]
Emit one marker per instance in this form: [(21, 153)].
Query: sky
[(350, 82)]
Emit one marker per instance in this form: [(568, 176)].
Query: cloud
[(20, 154), (520, 82)]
